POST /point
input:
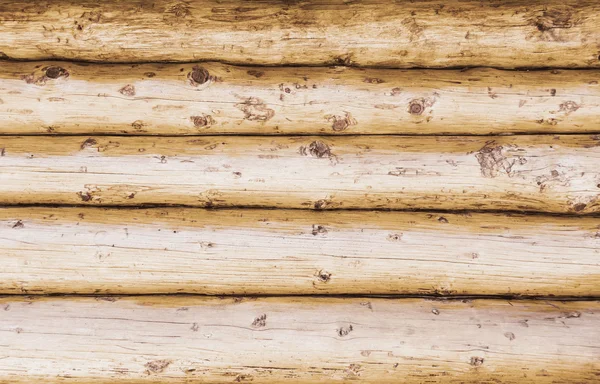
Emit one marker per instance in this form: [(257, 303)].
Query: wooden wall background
[(307, 191)]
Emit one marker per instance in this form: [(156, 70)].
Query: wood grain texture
[(529, 173), (212, 98), (435, 33), (283, 252), (309, 340)]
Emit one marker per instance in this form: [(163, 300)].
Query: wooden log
[(212, 98), (434, 33), (529, 173), (276, 252), (301, 340)]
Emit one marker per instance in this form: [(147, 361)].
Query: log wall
[(311, 191)]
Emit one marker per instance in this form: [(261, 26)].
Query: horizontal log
[(434, 33), (528, 173), (125, 251), (212, 98), (174, 339)]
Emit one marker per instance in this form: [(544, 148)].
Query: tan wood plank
[(305, 340), (165, 99), (283, 252), (437, 33), (531, 173)]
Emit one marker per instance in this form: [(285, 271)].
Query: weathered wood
[(277, 252), (435, 33), (60, 97), (309, 340), (530, 173)]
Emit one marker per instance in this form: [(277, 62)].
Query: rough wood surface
[(436, 33), (281, 252), (530, 173), (212, 98), (309, 340)]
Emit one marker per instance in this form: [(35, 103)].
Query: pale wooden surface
[(165, 99), (309, 340), (448, 33), (531, 173), (323, 250), (282, 252)]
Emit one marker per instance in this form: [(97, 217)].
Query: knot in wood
[(199, 121), (199, 75), (416, 107), (55, 72), (319, 149)]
